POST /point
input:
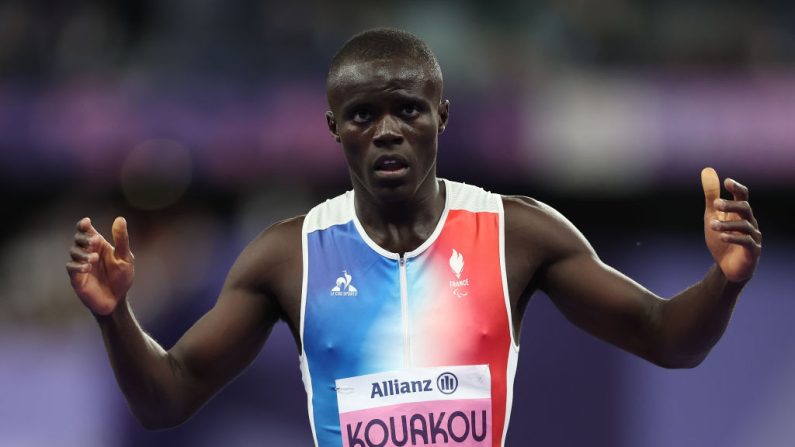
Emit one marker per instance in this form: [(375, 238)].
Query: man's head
[(382, 44), (384, 90)]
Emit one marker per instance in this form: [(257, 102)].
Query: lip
[(390, 162), (390, 166), (392, 175), (382, 161)]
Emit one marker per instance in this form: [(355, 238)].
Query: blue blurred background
[(202, 122)]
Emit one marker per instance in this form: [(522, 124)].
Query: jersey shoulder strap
[(336, 211), (472, 198)]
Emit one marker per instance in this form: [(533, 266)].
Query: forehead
[(374, 77)]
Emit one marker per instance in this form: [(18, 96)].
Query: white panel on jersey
[(471, 198), (336, 211)]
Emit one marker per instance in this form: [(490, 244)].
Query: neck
[(403, 225)]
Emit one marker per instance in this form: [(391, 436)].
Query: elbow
[(674, 349), (677, 358), (681, 362), (160, 414), (152, 424), (157, 425), (156, 421), (161, 405)]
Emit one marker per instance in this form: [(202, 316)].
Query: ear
[(332, 125), (444, 113)]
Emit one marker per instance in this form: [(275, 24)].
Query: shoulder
[(525, 213), (288, 228), (273, 254), (534, 225), (278, 241)]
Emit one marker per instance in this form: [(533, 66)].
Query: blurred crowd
[(201, 121), (51, 42)]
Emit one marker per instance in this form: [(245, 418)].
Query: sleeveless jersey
[(445, 304)]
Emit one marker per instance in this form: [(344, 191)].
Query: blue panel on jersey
[(352, 321)]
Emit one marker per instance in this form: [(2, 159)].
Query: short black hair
[(385, 43)]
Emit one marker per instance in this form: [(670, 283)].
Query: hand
[(101, 274), (730, 229)]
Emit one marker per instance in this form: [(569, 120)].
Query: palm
[(735, 243), (736, 262), (106, 284), (100, 274)]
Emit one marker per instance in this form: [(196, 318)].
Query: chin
[(392, 191)]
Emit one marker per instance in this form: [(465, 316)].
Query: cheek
[(352, 155), (353, 141), (424, 134), (355, 149)]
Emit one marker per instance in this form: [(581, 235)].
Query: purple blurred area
[(202, 123)]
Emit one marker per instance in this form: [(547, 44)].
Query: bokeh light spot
[(156, 174)]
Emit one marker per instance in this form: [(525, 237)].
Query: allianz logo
[(343, 286), (446, 383)]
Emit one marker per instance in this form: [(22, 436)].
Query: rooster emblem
[(457, 263)]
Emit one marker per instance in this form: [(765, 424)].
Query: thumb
[(711, 185), (121, 239)]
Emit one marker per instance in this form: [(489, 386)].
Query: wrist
[(121, 308), (719, 278)]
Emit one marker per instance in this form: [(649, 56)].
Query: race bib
[(448, 405)]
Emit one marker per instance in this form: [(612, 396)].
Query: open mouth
[(391, 166)]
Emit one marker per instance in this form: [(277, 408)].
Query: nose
[(387, 132)]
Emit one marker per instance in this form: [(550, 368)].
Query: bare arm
[(678, 332), (164, 388)]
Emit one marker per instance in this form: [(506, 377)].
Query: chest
[(366, 310)]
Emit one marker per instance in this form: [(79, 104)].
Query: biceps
[(603, 301)]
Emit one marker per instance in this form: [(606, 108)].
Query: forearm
[(693, 321), (147, 375)]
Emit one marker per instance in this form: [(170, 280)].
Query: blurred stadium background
[(202, 122)]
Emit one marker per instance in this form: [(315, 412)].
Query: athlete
[(405, 295)]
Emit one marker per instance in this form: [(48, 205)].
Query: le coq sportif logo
[(343, 286)]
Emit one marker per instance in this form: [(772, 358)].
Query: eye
[(361, 116), (410, 110)]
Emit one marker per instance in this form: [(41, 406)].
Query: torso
[(456, 302), (526, 248)]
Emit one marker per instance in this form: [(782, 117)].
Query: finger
[(84, 226), (740, 208), (121, 239), (737, 226), (711, 185), (74, 268), (87, 236), (80, 255), (738, 190), (85, 241), (741, 239)]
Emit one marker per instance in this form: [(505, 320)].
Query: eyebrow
[(368, 99)]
